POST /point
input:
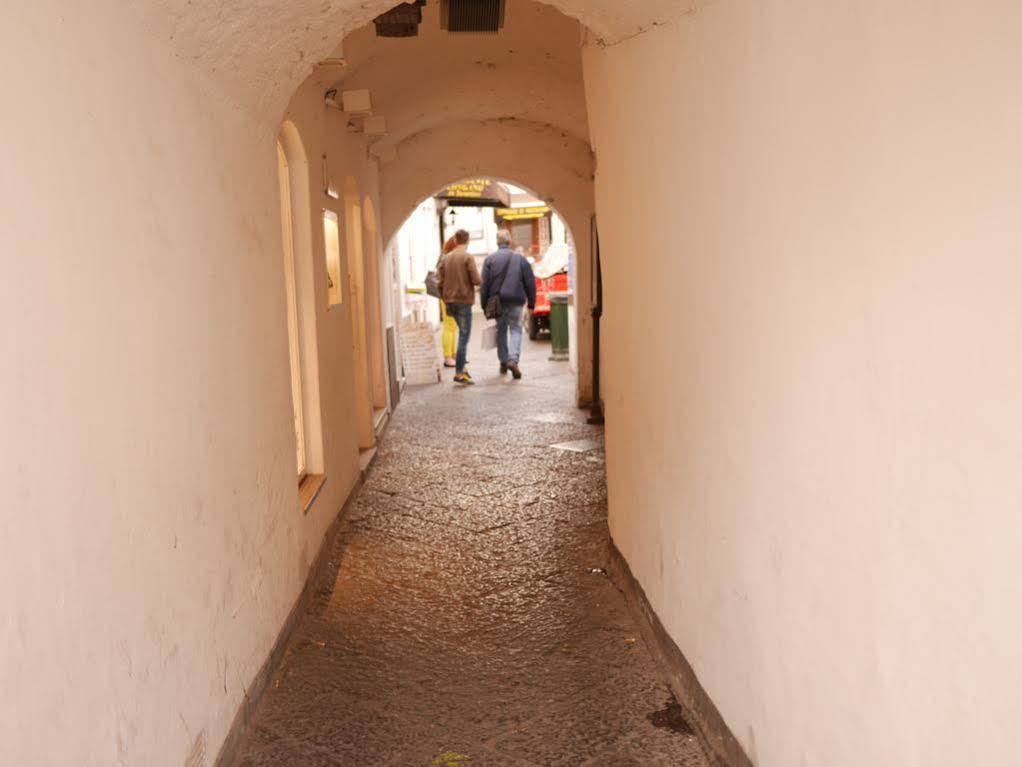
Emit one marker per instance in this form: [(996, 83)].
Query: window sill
[(308, 490)]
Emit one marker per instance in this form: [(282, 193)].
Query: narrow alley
[(466, 616), (248, 520)]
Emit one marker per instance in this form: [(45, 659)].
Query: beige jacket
[(458, 276)]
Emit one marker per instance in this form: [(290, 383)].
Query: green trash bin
[(559, 326)]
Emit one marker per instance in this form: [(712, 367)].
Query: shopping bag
[(490, 337)]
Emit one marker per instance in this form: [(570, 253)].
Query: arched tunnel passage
[(466, 614), (812, 398), (200, 150), (489, 120)]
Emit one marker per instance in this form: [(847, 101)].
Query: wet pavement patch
[(579, 445), (671, 717), (559, 417)]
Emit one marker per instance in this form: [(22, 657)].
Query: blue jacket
[(518, 286)]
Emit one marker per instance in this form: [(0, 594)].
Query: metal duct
[(472, 15)]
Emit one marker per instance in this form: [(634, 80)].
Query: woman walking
[(450, 327)]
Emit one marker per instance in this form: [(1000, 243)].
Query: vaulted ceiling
[(531, 72), (259, 51)]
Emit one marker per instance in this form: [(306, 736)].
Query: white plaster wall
[(151, 545), (810, 215)]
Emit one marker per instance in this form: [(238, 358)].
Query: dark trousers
[(462, 314)]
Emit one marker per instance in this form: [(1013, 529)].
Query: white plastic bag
[(490, 337)]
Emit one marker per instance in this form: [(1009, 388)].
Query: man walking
[(507, 274), (458, 278)]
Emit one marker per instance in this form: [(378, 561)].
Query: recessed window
[(332, 240), (300, 283), (294, 340)]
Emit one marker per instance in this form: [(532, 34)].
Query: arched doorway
[(538, 229), (357, 285), (293, 178), (556, 169), (376, 344)]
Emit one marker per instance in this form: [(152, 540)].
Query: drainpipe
[(596, 417)]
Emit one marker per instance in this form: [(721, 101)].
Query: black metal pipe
[(596, 416)]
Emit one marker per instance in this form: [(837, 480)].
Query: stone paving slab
[(467, 619)]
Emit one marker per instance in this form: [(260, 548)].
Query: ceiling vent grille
[(472, 15), (401, 21)]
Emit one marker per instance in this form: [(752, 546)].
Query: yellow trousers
[(450, 337)]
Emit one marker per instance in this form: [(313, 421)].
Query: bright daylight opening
[(482, 207)]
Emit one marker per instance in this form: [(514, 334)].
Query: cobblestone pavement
[(467, 618)]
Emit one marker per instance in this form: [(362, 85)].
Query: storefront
[(530, 227)]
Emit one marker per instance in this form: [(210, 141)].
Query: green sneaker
[(464, 379)]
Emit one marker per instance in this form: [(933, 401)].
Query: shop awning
[(478, 192)]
